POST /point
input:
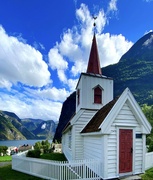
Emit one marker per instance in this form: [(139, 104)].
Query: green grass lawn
[(6, 173), (148, 175), (5, 158)]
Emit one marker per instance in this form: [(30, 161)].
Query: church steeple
[(94, 62)]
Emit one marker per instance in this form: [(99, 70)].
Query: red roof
[(94, 62)]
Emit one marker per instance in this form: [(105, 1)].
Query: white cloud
[(111, 48), (70, 56), (5, 83), (52, 94), (56, 59), (112, 5), (20, 62), (33, 108), (72, 84)]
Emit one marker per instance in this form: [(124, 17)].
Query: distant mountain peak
[(149, 42), (142, 48)]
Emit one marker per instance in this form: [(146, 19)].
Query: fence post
[(84, 169), (60, 171)]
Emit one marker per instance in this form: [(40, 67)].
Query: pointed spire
[(94, 62)]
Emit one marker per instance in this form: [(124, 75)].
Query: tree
[(38, 145), (44, 146), (148, 111)]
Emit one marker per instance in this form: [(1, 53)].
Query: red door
[(125, 150)]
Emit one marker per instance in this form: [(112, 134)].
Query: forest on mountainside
[(148, 111)]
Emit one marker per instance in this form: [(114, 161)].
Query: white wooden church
[(111, 130)]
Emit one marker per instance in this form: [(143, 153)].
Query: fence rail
[(55, 170)]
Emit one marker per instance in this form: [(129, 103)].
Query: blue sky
[(45, 45)]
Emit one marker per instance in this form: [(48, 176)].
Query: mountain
[(134, 70), (31, 124), (68, 109), (11, 127), (14, 128), (45, 129)]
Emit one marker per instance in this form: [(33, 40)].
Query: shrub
[(34, 153), (3, 149)]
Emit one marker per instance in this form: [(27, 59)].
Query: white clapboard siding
[(65, 146), (112, 152), (138, 158), (76, 150), (93, 147), (78, 127)]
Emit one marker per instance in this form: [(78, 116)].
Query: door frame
[(133, 162)]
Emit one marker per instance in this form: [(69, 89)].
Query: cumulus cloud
[(25, 106), (49, 93), (69, 57), (20, 62), (111, 48)]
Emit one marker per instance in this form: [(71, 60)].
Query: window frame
[(98, 91)]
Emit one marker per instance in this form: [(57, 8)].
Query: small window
[(98, 95), (78, 96), (139, 136)]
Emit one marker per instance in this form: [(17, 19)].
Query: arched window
[(98, 95)]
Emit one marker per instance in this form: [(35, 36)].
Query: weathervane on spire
[(94, 24)]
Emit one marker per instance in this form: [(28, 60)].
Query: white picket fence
[(55, 170), (149, 160)]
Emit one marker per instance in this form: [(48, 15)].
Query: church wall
[(78, 138), (93, 146), (65, 146)]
